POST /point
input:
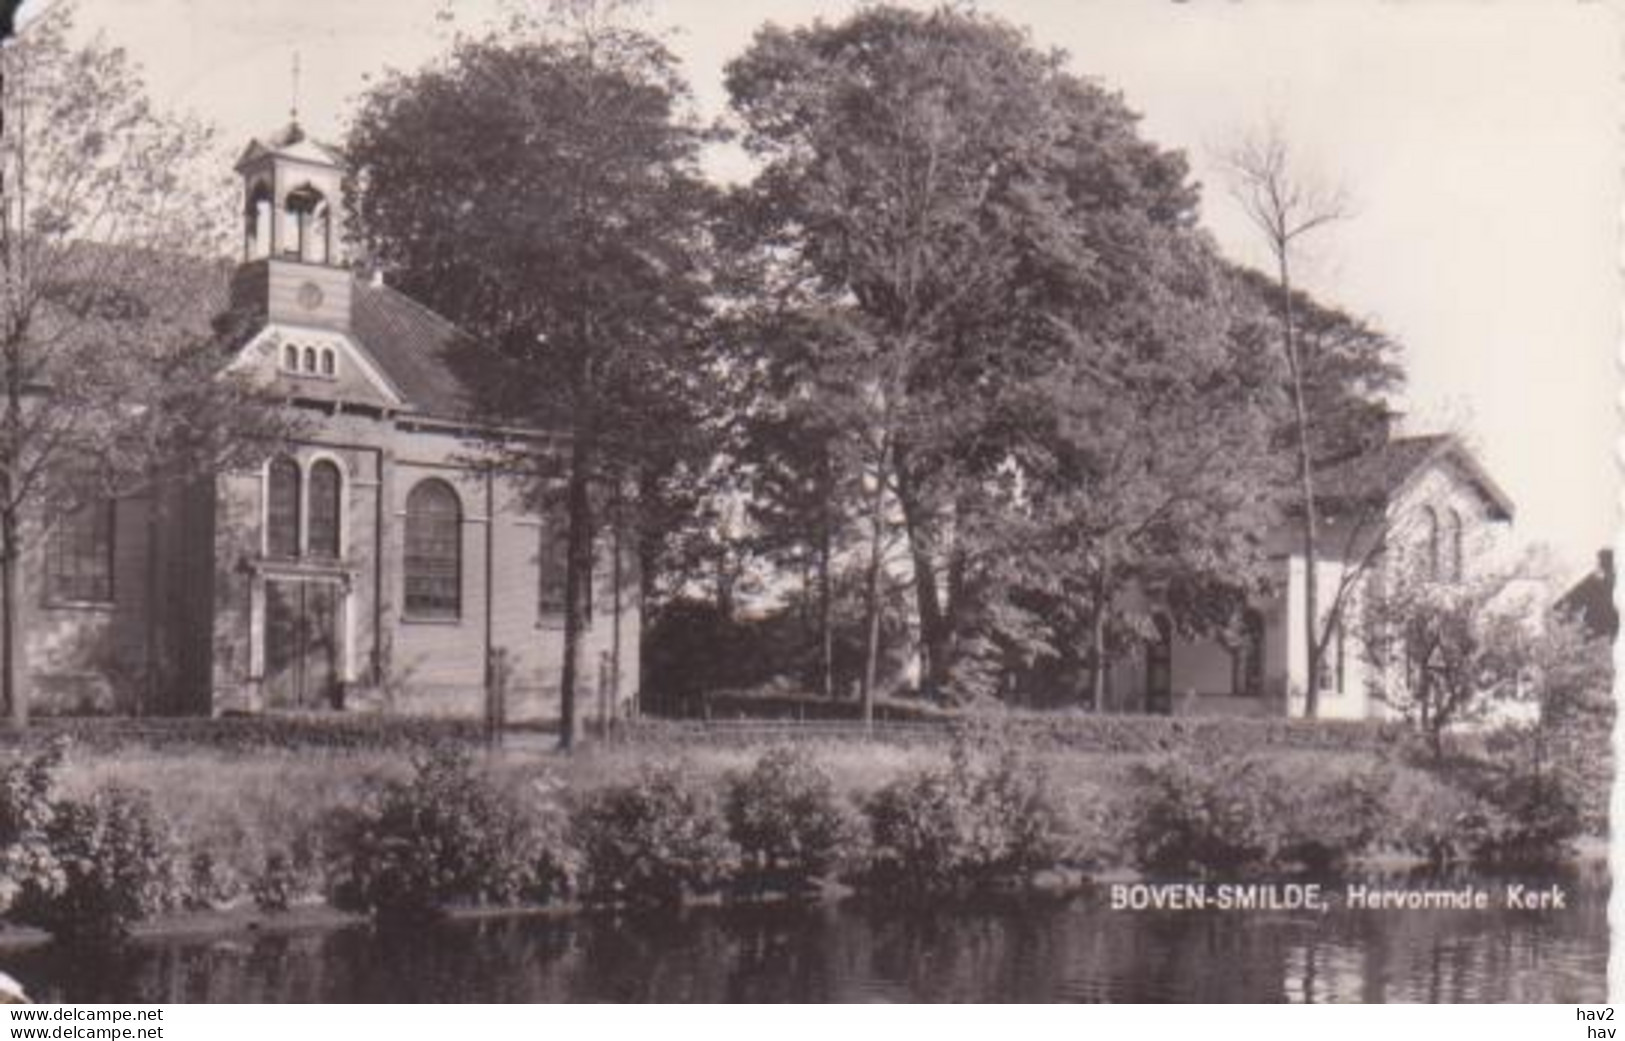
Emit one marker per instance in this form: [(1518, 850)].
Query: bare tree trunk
[(577, 569), (1097, 645), (154, 671), (934, 631), (1311, 592), (11, 650), (871, 596), (616, 577), (11, 633), (826, 632)]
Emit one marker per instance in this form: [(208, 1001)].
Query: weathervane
[(293, 110)]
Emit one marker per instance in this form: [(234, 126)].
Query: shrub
[(287, 875), (652, 840), (1430, 817), (1528, 818), (787, 822), (210, 881), (967, 827), (1200, 817), (118, 865), (1229, 815), (27, 813), (1320, 822), (443, 837)]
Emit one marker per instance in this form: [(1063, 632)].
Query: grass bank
[(286, 815)]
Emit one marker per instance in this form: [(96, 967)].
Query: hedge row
[(1142, 735), (896, 722), (793, 706), (109, 733)]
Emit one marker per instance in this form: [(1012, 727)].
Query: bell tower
[(293, 268)]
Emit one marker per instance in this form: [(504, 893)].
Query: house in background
[(1423, 504), (375, 564), (1591, 600)]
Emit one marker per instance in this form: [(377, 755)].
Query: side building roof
[(1383, 474)]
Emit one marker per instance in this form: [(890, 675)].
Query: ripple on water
[(1011, 950)]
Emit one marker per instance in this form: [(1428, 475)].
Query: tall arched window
[(326, 498), (282, 508), (434, 551), (1454, 546), (1430, 544)]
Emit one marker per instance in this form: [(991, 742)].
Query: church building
[(378, 563)]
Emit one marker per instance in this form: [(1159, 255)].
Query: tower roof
[(290, 142)]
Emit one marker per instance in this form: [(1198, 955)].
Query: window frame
[(311, 550), (414, 606), (270, 544), (1455, 549), (1430, 521), (104, 549)]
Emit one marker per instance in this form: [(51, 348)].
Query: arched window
[(282, 508), (307, 224), (257, 217), (434, 551), (79, 555), (1430, 544), (318, 241), (326, 499), (310, 359), (290, 358), (329, 365), (1454, 547)]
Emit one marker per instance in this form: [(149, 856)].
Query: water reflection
[(1017, 950)]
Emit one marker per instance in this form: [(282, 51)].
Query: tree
[(1285, 207), (110, 359), (932, 176), (540, 189), (1142, 464), (1446, 652), (800, 504)]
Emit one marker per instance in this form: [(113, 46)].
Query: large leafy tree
[(540, 188), (1141, 464), (943, 187), (110, 355)]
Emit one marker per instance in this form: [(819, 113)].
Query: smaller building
[(1591, 600), (1415, 506)]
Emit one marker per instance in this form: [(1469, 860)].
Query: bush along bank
[(450, 835)]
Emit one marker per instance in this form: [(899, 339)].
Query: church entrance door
[(301, 644)]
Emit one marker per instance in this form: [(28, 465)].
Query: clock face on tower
[(310, 296)]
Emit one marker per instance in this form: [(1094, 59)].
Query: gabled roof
[(1591, 601), (1384, 473), (414, 347), (290, 142)]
